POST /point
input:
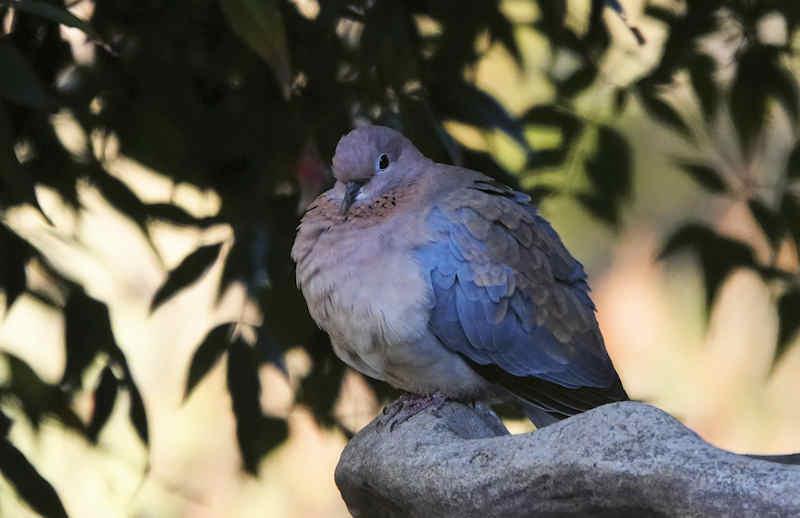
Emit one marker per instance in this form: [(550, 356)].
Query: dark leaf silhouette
[(256, 433), (789, 313), (207, 355), (663, 112), (718, 255), (137, 413), (190, 270), (701, 74), (609, 170), (15, 253), (87, 332), (769, 220), (105, 395), (18, 80), (748, 96), (28, 483), (706, 176), (793, 164)]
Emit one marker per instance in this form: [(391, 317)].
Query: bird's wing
[(509, 297)]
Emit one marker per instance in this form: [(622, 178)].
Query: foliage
[(242, 97)]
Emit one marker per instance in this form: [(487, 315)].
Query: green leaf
[(706, 176), (718, 255), (192, 268), (105, 395), (18, 81), (207, 355), (28, 483), (61, 16), (256, 433), (789, 313), (259, 23)]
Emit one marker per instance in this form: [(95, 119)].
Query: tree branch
[(623, 459)]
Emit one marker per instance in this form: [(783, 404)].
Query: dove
[(446, 284)]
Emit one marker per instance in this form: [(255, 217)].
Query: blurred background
[(156, 358)]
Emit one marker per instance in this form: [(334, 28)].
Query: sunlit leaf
[(18, 80), (62, 16), (190, 270), (260, 24), (706, 176), (207, 355), (32, 488), (105, 395)]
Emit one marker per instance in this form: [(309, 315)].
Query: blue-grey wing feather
[(506, 292)]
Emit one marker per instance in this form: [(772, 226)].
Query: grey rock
[(622, 459)]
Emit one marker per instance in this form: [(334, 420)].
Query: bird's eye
[(383, 162)]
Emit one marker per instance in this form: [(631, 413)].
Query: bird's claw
[(407, 406)]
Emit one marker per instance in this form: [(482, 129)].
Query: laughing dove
[(438, 279)]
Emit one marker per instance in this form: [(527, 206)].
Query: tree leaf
[(256, 433), (259, 23), (137, 413), (663, 112), (18, 81), (577, 82), (793, 164), (28, 483), (718, 255), (701, 75), (610, 171), (15, 254), (87, 330), (207, 355), (706, 176), (105, 395), (61, 16), (466, 103), (748, 95), (769, 221), (192, 268), (789, 313), (782, 84)]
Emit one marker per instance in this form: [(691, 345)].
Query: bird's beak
[(351, 190)]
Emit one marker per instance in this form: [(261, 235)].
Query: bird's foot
[(407, 406)]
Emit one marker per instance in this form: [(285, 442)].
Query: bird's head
[(370, 161)]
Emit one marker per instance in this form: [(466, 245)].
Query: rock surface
[(623, 459)]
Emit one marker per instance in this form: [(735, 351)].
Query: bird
[(447, 284)]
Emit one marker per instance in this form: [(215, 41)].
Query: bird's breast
[(367, 292)]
